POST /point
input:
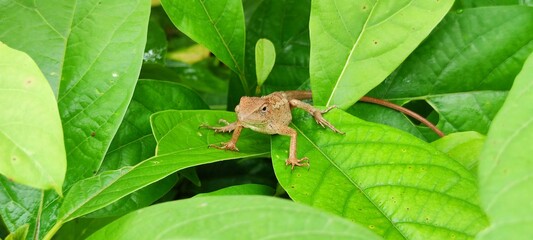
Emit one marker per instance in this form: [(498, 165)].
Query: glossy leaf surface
[(380, 177), (32, 151), (244, 189), (465, 67), (134, 141), (90, 52), (505, 175), (173, 154), (355, 45), (227, 218), (265, 57)]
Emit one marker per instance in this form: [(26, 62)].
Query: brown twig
[(403, 110)]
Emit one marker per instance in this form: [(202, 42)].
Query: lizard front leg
[(317, 113), (292, 160), (230, 127)]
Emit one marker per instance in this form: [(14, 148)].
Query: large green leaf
[(32, 151), (97, 67), (355, 45), (30, 25), (173, 154), (464, 68), (506, 163), (228, 218), (94, 48), (219, 25), (286, 24), (380, 177), (134, 141)]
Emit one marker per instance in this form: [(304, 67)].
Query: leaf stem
[(403, 110), (54, 230)]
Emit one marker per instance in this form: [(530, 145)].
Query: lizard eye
[(264, 109)]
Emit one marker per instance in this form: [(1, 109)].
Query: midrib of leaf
[(65, 217), (241, 72), (91, 65), (64, 52), (347, 177), (129, 143), (38, 217), (351, 51), (427, 97), (127, 170)]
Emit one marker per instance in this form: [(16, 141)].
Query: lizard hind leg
[(316, 113), (297, 162), (293, 160)]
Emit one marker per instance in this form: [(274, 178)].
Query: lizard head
[(253, 112)]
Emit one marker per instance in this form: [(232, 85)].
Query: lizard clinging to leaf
[(271, 114)]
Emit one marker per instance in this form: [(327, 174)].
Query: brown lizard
[(271, 114)]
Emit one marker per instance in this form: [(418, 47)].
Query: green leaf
[(265, 57), (467, 111), (355, 45), (286, 24), (90, 52), (173, 154), (380, 114), (28, 26), (226, 217), (465, 67), (22, 204), (19, 234), (484, 3), (134, 141), (218, 25), (93, 102), (505, 163), (244, 189), (32, 151), (380, 177), (81, 228), (95, 90), (463, 147), (210, 85)]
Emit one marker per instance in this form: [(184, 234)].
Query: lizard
[(271, 114)]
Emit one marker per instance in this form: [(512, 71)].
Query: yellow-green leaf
[(32, 150), (356, 44), (265, 57), (506, 164)]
